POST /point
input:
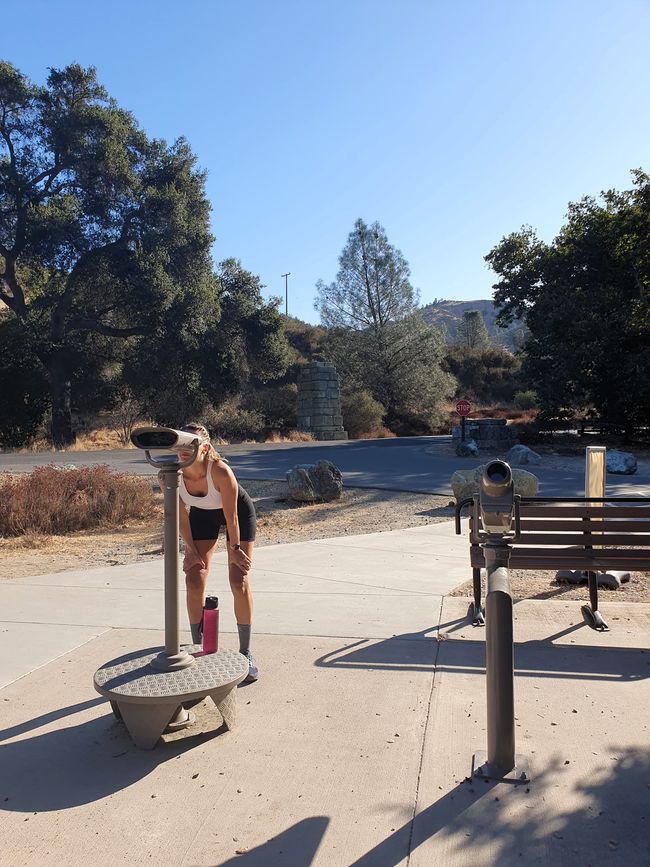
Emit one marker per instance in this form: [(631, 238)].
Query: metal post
[(500, 664), (595, 469), (286, 292), (172, 658), (462, 428), (498, 512), (500, 762)]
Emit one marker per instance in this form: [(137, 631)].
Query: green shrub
[(361, 412), (54, 500), (278, 405), (231, 422), (525, 399)]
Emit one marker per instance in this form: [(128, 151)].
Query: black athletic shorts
[(206, 523)]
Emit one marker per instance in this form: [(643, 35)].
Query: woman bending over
[(209, 488)]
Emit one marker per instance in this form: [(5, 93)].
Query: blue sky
[(451, 123)]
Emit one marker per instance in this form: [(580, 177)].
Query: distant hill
[(449, 313)]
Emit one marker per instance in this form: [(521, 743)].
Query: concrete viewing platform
[(355, 745)]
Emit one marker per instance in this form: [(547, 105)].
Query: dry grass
[(109, 439), (378, 433), (294, 436), (103, 438), (55, 500)]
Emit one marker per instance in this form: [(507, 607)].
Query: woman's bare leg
[(241, 588), (196, 580)]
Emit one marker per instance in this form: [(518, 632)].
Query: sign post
[(463, 408), (595, 477)]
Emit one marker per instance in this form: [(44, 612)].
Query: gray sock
[(196, 632), (244, 630)]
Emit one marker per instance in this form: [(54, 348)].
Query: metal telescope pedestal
[(499, 762), (499, 508), (147, 688)]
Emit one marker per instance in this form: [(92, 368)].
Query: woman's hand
[(240, 558), (192, 559)]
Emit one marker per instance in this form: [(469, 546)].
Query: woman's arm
[(184, 525), (192, 557), (226, 483)]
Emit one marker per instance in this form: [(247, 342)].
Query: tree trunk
[(62, 433)]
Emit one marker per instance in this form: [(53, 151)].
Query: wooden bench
[(585, 534)]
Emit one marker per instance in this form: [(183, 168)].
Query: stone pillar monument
[(319, 402)]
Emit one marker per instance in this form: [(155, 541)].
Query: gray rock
[(311, 482), (621, 463), (520, 455), (301, 487), (467, 449), (464, 483), (610, 580)]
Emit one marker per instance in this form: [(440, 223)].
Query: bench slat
[(578, 525), (601, 539), (571, 511), (568, 558)]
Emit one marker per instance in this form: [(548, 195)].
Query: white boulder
[(520, 455), (465, 483), (467, 448)]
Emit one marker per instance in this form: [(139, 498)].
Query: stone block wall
[(492, 434), (319, 402)]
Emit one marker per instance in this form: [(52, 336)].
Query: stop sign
[(463, 407)]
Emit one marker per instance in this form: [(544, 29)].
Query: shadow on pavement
[(429, 650), (79, 764), (44, 719), (480, 822), (295, 847)]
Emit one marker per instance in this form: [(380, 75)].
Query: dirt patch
[(542, 585), (279, 520)]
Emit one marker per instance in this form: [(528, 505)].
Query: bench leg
[(590, 613), (476, 611), (225, 698), (146, 722)]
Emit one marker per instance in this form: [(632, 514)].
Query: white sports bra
[(211, 500)]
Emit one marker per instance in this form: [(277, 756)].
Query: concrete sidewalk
[(353, 747)]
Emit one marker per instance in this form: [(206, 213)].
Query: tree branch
[(10, 147), (50, 173), (87, 324), (15, 297), (348, 312)]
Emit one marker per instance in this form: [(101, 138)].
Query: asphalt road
[(404, 464)]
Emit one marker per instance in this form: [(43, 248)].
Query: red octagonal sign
[(463, 407)]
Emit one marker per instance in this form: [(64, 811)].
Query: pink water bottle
[(211, 625)]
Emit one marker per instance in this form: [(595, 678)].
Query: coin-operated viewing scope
[(170, 466), (162, 438), (168, 438), (496, 498)]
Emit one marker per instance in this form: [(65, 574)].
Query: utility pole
[(286, 292)]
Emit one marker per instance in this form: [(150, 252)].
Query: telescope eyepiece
[(497, 478), (496, 498)]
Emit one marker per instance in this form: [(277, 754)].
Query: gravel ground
[(359, 511), (281, 520)]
